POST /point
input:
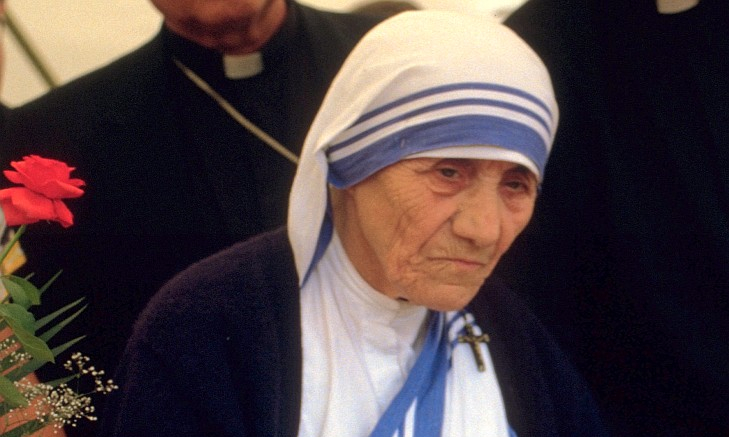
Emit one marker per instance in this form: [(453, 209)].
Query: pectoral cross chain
[(473, 340)]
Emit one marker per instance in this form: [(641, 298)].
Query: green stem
[(12, 242)]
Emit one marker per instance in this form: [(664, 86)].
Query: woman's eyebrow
[(520, 168)]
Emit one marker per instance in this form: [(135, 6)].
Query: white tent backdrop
[(75, 36)]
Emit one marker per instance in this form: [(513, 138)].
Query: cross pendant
[(473, 340)]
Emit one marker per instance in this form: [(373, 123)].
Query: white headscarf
[(422, 83)]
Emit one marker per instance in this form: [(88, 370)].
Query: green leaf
[(11, 394), (65, 380), (50, 281), (17, 316), (22, 324), (26, 429), (29, 290), (42, 322), (34, 365), (58, 350), (34, 346), (52, 331)]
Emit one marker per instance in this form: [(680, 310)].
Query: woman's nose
[(478, 217)]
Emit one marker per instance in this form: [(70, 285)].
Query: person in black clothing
[(171, 177), (628, 251)]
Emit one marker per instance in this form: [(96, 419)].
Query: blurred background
[(71, 37)]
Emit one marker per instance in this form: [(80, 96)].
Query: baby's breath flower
[(62, 405)]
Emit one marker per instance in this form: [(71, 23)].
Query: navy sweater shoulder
[(217, 350)]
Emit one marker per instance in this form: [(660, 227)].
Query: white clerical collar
[(242, 66), (675, 6)]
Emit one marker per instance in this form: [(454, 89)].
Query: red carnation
[(45, 182)]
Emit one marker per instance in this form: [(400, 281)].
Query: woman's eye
[(448, 180), (516, 185), (449, 176), (448, 172), (520, 185)]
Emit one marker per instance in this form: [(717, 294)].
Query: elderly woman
[(372, 318)]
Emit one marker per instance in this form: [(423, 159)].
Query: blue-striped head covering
[(421, 84)]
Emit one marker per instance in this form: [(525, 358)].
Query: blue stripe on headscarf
[(325, 236), (453, 131), (437, 106), (480, 86)]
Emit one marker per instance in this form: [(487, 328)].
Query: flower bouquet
[(26, 405)]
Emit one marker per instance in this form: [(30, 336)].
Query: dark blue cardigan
[(218, 352)]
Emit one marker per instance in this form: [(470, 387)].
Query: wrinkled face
[(230, 26), (431, 230)]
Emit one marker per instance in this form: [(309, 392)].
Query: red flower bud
[(45, 182)]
